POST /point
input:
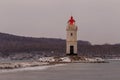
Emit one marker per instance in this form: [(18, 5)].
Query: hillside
[(11, 45)]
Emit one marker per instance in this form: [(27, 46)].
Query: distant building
[(71, 41)]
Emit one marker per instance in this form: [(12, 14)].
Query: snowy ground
[(29, 68)]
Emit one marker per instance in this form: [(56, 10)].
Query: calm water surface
[(75, 71)]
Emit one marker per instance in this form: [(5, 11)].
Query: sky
[(98, 21)]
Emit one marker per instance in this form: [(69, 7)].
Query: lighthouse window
[(71, 34)]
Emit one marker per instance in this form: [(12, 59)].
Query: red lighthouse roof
[(71, 21)]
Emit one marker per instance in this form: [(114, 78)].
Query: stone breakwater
[(72, 59), (13, 65), (50, 61)]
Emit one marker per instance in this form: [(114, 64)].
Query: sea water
[(72, 71)]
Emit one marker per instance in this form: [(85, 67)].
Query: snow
[(66, 59), (30, 68), (47, 59)]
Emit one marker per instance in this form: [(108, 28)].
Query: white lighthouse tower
[(71, 41)]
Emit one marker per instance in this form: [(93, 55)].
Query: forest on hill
[(15, 45)]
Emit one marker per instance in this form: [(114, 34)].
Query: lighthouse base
[(72, 54)]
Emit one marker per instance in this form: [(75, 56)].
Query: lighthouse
[(71, 38)]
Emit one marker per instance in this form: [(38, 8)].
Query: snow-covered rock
[(47, 59), (97, 59), (65, 59)]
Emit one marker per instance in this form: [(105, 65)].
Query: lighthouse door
[(71, 50)]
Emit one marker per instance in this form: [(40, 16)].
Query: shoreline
[(23, 64), (47, 61), (31, 68)]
